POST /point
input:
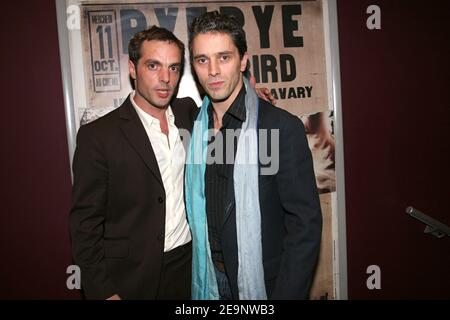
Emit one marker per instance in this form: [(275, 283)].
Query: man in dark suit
[(263, 228), (128, 224)]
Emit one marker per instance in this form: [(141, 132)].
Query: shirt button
[(161, 236), (160, 200)]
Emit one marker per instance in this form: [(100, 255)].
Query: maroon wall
[(396, 118), (35, 197), (396, 121)]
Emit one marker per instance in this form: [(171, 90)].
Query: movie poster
[(286, 45)]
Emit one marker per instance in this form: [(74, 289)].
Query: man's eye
[(152, 66), (225, 57), (175, 68), (201, 60)]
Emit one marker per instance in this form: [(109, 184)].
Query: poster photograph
[(290, 54)]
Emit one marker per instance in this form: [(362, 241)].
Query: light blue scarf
[(248, 217)]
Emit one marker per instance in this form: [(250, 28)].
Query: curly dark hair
[(153, 33), (222, 23)]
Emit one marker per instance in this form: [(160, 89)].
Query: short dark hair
[(221, 23), (152, 33)]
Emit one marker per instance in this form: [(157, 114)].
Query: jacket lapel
[(135, 133)]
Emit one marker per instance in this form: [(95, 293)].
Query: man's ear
[(132, 69), (244, 62)]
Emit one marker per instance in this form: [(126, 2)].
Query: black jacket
[(117, 221), (290, 213)]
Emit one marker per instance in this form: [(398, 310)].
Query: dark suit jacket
[(117, 220), (291, 217)]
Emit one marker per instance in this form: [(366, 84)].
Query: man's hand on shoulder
[(263, 93)]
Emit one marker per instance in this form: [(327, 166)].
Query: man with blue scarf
[(256, 224)]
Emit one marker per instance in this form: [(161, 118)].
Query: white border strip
[(339, 232), (64, 54)]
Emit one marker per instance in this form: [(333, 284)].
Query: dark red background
[(396, 114)]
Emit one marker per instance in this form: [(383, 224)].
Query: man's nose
[(164, 75), (213, 68)]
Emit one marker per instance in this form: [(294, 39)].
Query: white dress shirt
[(171, 157)]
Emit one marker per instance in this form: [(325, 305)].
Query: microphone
[(434, 227)]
